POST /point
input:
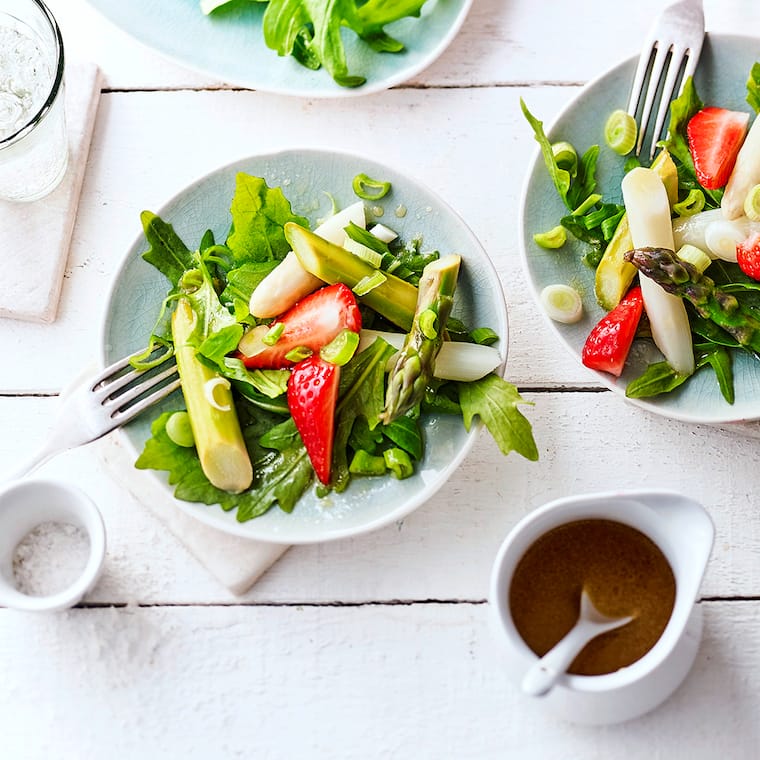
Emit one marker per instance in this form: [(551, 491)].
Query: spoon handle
[(543, 674)]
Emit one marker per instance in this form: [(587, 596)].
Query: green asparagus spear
[(683, 279), (394, 298), (415, 363)]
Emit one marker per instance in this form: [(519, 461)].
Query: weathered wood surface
[(377, 646)]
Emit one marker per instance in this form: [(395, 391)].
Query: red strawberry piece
[(312, 322), (748, 256), (312, 395), (608, 344), (715, 136)]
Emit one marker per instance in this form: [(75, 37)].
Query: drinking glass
[(33, 140)]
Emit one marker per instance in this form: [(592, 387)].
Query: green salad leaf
[(496, 402), (310, 30), (753, 87), (374, 15), (361, 395), (259, 213), (283, 471), (560, 177), (166, 251), (657, 378)]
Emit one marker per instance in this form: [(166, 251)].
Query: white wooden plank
[(444, 550), (470, 146), (373, 682), (499, 43)]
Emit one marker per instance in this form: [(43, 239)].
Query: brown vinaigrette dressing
[(622, 570)]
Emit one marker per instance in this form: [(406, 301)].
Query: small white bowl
[(684, 532), (24, 506)]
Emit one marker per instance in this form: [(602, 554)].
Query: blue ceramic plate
[(229, 45), (720, 80), (138, 290)]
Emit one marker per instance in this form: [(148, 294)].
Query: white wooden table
[(378, 646)]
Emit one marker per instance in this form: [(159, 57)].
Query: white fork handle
[(71, 428), (30, 465), (67, 433)]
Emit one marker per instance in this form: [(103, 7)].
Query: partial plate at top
[(229, 45), (720, 80)]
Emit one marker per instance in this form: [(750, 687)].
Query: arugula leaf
[(719, 358), (243, 280), (361, 394), (660, 377), (496, 402), (560, 177), (259, 213), (753, 87), (405, 433), (285, 20), (657, 378), (208, 6), (282, 473), (584, 183), (167, 252), (707, 329), (371, 17)]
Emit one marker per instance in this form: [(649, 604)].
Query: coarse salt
[(50, 558)]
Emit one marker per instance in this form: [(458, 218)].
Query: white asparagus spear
[(648, 210), (289, 281), (455, 360), (745, 175)]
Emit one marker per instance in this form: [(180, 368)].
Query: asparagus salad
[(678, 262), (309, 357)]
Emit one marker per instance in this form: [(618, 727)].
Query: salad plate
[(306, 176), (720, 80), (229, 45)]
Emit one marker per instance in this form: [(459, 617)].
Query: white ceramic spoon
[(542, 676)]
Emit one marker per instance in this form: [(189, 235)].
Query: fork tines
[(673, 48), (125, 392)]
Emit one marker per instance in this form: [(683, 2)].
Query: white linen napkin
[(39, 233), (234, 561)]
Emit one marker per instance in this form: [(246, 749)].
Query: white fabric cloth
[(38, 234), (235, 562)]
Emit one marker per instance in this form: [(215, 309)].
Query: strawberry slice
[(312, 323), (608, 344), (312, 395), (748, 256), (715, 136)]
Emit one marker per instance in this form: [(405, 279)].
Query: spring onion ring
[(210, 387), (694, 256), (566, 157), (692, 204), (620, 132), (369, 189), (562, 303)]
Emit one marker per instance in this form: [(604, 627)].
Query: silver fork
[(95, 407), (674, 41)]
